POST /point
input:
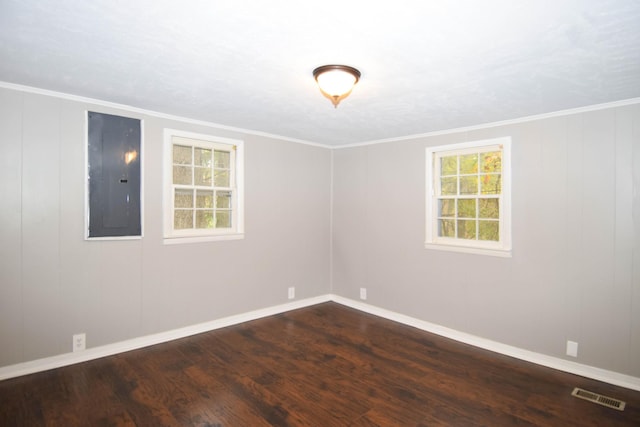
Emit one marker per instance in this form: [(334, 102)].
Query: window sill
[(201, 239), (503, 253), (104, 238)]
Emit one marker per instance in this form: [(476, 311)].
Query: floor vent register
[(609, 402)]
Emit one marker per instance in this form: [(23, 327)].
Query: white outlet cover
[(572, 348), (79, 342), (292, 292), (363, 293)]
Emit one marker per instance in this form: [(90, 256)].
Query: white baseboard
[(59, 361), (611, 377), (66, 359)]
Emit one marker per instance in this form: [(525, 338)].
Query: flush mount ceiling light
[(336, 81)]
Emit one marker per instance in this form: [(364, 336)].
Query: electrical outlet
[(79, 342), (572, 348), (292, 292), (363, 293)]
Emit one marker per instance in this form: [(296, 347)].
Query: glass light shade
[(336, 81)]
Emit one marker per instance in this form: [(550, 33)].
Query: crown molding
[(129, 108)]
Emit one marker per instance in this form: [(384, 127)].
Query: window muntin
[(203, 191), (468, 200)]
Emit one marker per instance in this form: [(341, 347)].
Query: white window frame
[(172, 236), (501, 248)]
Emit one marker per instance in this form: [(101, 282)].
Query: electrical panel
[(114, 187)]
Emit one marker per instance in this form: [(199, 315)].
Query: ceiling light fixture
[(336, 81)]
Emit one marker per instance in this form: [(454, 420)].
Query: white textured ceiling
[(427, 65)]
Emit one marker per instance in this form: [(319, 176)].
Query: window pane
[(181, 155), (489, 208), (204, 219), (223, 219), (489, 230), (221, 178), (468, 164), (449, 165), (447, 228), (223, 199), (222, 159), (202, 157), (466, 229), (202, 186), (491, 184), (491, 162), (204, 199), (183, 199), (183, 219), (182, 175), (203, 176), (469, 184), (449, 186), (466, 205), (447, 207), (466, 208)]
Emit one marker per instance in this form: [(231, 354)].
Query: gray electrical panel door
[(114, 176)]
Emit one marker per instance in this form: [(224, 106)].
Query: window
[(203, 193), (468, 197)]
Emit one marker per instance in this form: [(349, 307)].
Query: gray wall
[(53, 283), (574, 274)]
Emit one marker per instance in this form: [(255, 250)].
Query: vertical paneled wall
[(40, 215), (11, 319), (574, 274), (54, 284), (575, 270)]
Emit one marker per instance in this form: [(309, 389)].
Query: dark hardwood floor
[(326, 365)]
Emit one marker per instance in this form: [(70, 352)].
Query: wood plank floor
[(326, 365)]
